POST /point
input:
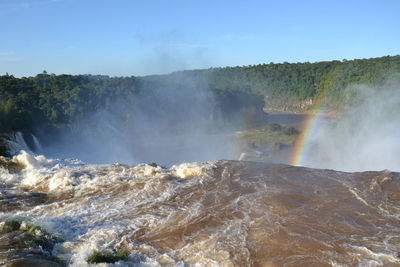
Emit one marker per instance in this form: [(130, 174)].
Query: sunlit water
[(221, 213)]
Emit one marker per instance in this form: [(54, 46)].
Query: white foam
[(371, 258), (7, 177), (98, 239), (94, 220), (188, 170), (26, 159), (42, 174)]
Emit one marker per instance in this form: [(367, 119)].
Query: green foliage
[(33, 239), (153, 164), (286, 130), (11, 225), (39, 236), (108, 256), (274, 127), (289, 131), (273, 133), (31, 228)]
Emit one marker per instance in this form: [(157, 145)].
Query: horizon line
[(202, 69)]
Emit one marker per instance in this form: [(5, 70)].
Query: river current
[(220, 213)]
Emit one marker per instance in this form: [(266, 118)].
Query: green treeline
[(294, 82), (56, 101)]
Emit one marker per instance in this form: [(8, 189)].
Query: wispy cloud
[(172, 39), (15, 5), (9, 57), (232, 37), (172, 50), (183, 46)]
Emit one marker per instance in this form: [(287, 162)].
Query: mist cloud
[(169, 123), (366, 137), (172, 50)]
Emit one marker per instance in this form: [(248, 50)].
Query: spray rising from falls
[(174, 122), (301, 148), (365, 137)]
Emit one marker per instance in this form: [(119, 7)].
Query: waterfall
[(19, 138), (38, 147), (17, 144)]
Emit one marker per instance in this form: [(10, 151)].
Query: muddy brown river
[(220, 213)]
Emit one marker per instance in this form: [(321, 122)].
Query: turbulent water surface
[(222, 213)]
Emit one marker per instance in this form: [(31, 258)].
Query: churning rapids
[(220, 213)]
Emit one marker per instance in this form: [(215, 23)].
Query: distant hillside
[(295, 86), (54, 102)]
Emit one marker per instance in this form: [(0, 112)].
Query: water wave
[(220, 213)]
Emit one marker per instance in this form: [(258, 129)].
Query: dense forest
[(295, 83), (54, 102)]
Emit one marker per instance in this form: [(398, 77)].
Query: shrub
[(10, 226), (31, 228), (275, 127), (108, 257), (290, 130)]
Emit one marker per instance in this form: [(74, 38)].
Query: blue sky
[(124, 38)]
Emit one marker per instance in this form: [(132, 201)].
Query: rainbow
[(301, 148)]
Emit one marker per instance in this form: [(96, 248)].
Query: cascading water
[(20, 141), (38, 146), (16, 144)]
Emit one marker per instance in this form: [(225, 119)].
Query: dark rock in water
[(10, 165), (3, 146), (23, 248)]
